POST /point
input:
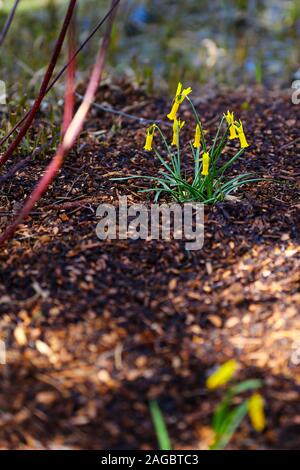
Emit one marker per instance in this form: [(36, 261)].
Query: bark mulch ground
[(94, 329)]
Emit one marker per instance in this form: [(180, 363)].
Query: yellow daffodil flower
[(197, 141), (256, 412), (179, 98), (230, 121), (177, 126), (205, 164), (240, 130), (223, 374), (149, 137)]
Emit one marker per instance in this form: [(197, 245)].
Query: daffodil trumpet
[(178, 100), (149, 137), (230, 121), (197, 140), (241, 134)]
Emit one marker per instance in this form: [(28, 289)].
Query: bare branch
[(8, 22)]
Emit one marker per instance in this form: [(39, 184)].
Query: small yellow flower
[(149, 137), (205, 164), (177, 126), (197, 141), (222, 375), (178, 99), (256, 412), (240, 130), (230, 121)]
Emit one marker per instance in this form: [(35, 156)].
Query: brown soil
[(94, 329)]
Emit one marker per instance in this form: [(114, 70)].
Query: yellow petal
[(229, 118), (256, 412), (179, 88), (184, 94), (222, 375), (179, 98)]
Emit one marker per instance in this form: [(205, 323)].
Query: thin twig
[(71, 73), (109, 109), (8, 22), (290, 144)]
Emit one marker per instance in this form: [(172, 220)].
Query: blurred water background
[(216, 42)]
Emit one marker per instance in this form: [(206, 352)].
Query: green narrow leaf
[(212, 150), (230, 162), (220, 415), (251, 384), (160, 426), (231, 424)]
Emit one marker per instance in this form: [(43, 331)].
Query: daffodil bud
[(205, 164), (256, 412), (222, 375), (197, 141)]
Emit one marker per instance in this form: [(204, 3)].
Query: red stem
[(60, 73), (45, 83), (72, 133)]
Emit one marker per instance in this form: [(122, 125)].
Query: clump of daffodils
[(227, 417), (208, 183)]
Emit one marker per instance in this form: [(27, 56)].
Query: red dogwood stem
[(45, 83), (72, 132), (60, 73)]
